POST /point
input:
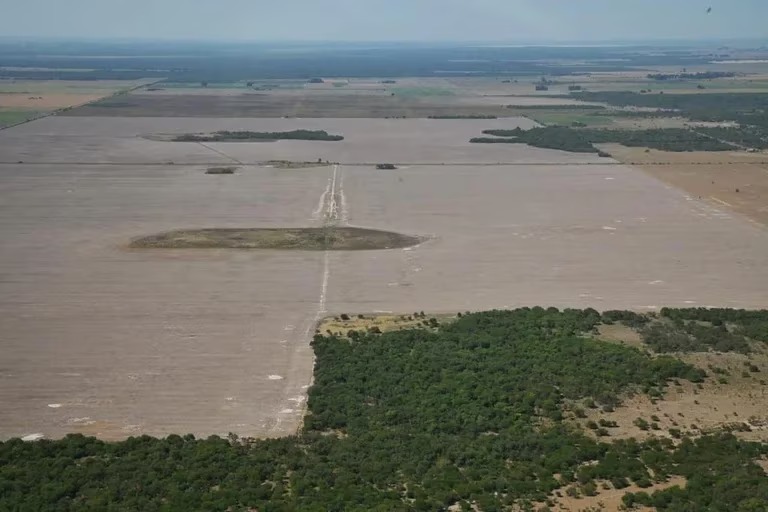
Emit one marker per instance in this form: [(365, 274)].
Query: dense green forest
[(748, 136), (471, 414), (247, 136), (581, 140)]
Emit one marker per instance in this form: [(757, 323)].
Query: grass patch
[(343, 325), (304, 239), (570, 118), (422, 91), (10, 117)]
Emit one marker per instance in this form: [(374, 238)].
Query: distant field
[(735, 180), (224, 333), (26, 99), (422, 91), (568, 117), (263, 104)]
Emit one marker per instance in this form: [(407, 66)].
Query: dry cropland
[(107, 337)]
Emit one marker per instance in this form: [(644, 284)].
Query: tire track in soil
[(332, 208)]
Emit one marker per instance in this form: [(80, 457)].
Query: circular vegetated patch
[(302, 239)]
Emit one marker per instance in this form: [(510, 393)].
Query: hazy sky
[(385, 20)]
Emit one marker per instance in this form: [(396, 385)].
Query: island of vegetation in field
[(704, 75), (475, 413), (468, 116), (249, 136), (330, 238), (221, 170), (582, 140)]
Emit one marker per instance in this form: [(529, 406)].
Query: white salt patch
[(54, 406), (286, 411), (609, 228), (81, 421), (33, 437), (275, 377), (656, 282)]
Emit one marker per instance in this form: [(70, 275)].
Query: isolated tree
[(203, 84)]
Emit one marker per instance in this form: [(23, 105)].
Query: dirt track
[(109, 341)]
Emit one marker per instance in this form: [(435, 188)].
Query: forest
[(471, 414), (247, 136), (746, 109), (705, 75), (581, 140)]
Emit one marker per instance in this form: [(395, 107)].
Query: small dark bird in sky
[(709, 10)]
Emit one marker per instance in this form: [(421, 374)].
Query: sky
[(514, 21)]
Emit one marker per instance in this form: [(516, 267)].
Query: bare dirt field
[(104, 340), (736, 181), (112, 342), (371, 141)]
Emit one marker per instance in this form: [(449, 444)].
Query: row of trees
[(246, 136), (582, 140)]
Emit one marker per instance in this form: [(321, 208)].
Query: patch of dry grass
[(734, 396), (607, 498), (341, 324)]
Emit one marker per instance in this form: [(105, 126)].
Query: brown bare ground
[(609, 500), (696, 409), (171, 341), (733, 181)]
